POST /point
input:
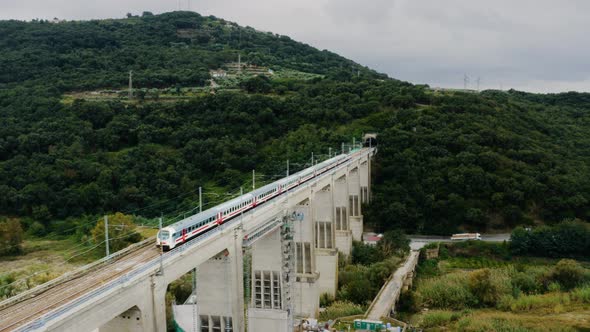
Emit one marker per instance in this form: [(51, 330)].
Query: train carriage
[(171, 236)]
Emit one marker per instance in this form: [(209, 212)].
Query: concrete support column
[(325, 249), (364, 177), (306, 293), (354, 202), (265, 310), (343, 234), (237, 276), (220, 292)]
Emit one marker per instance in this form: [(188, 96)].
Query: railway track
[(16, 315)]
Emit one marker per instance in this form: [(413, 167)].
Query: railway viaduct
[(292, 245)]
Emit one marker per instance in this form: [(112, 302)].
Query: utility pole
[(253, 179), (342, 151), (239, 62), (106, 233), (465, 81), (161, 271), (242, 211), (329, 152), (312, 159), (130, 84), (478, 81), (287, 167), (194, 271)]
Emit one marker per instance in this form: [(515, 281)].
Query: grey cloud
[(359, 12)]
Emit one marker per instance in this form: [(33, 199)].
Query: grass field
[(478, 290), (47, 258)]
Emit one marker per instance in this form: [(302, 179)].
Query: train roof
[(213, 211), (195, 217), (234, 201)]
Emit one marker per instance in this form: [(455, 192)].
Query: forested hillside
[(171, 49), (445, 161), (495, 159)]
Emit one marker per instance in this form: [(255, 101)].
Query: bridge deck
[(34, 309), (25, 311)]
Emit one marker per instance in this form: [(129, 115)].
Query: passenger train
[(171, 236)]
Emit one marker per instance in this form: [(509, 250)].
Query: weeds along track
[(11, 317)]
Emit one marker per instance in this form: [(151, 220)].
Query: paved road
[(419, 241), (390, 293)]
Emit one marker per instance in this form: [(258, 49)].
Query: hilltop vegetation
[(171, 49), (446, 161)]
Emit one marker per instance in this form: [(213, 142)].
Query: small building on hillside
[(372, 238), (218, 73)]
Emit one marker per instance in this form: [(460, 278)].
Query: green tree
[(393, 242), (122, 232), (257, 84), (11, 237)]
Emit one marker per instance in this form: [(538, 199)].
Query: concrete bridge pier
[(266, 310), (365, 182), (220, 292), (326, 254), (343, 234), (306, 287), (354, 203)]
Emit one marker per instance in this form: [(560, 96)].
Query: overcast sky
[(531, 45)]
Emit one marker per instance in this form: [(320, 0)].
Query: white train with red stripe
[(184, 230)]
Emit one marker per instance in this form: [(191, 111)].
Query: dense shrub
[(488, 286), (360, 284), (525, 283), (450, 291), (341, 309), (531, 302), (36, 229), (566, 239), (581, 294), (365, 254), (568, 273), (438, 318)]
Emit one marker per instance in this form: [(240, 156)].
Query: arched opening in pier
[(130, 320)]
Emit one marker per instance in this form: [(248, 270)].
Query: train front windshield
[(164, 235)]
